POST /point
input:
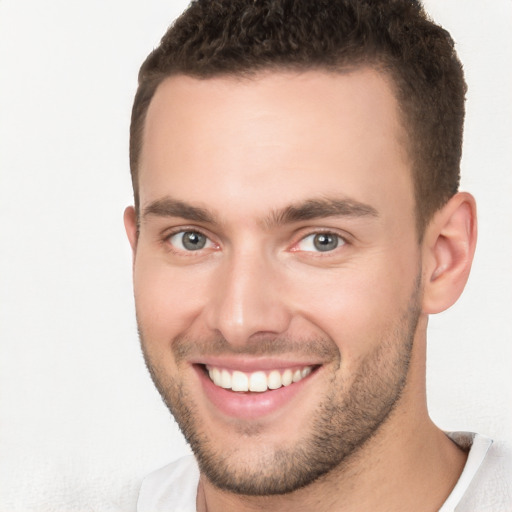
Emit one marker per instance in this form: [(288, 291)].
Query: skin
[(242, 150)]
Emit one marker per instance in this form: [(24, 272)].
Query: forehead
[(283, 136)]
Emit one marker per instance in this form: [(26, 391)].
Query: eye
[(320, 242), (190, 241)]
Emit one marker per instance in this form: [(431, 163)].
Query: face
[(276, 269)]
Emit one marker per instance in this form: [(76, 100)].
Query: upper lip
[(252, 364)]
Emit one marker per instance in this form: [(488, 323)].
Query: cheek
[(167, 299), (356, 307)]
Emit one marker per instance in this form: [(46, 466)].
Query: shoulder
[(173, 487), (489, 488)]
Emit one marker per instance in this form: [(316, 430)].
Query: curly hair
[(396, 37)]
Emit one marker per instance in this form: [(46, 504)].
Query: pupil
[(193, 241), (325, 242)]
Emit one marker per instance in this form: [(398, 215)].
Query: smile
[(249, 389), (258, 381)]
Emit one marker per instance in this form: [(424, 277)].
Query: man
[(297, 218)]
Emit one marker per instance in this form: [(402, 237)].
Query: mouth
[(255, 390), (258, 381)]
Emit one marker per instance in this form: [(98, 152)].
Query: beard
[(350, 413)]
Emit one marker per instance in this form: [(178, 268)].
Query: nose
[(247, 299)]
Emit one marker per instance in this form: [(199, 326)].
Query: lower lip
[(249, 405)]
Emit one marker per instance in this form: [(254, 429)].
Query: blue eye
[(320, 242), (190, 241)]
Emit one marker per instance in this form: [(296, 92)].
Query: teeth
[(239, 382), (216, 376), (274, 380), (225, 379), (287, 377), (257, 382)]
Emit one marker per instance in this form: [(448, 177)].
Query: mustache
[(185, 347)]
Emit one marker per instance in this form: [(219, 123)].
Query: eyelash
[(182, 230), (342, 241)]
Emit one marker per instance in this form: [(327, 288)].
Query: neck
[(409, 464)]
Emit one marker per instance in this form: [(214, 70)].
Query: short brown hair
[(241, 37)]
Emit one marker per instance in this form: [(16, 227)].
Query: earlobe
[(130, 225), (448, 249)]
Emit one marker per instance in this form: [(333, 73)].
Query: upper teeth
[(256, 381)]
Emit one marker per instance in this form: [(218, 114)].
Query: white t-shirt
[(485, 484)]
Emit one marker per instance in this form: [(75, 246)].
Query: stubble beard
[(347, 417)]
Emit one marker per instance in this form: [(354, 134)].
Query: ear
[(131, 227), (448, 248)]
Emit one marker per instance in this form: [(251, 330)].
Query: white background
[(80, 422)]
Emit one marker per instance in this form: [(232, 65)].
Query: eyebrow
[(169, 207), (320, 208), (305, 210)]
